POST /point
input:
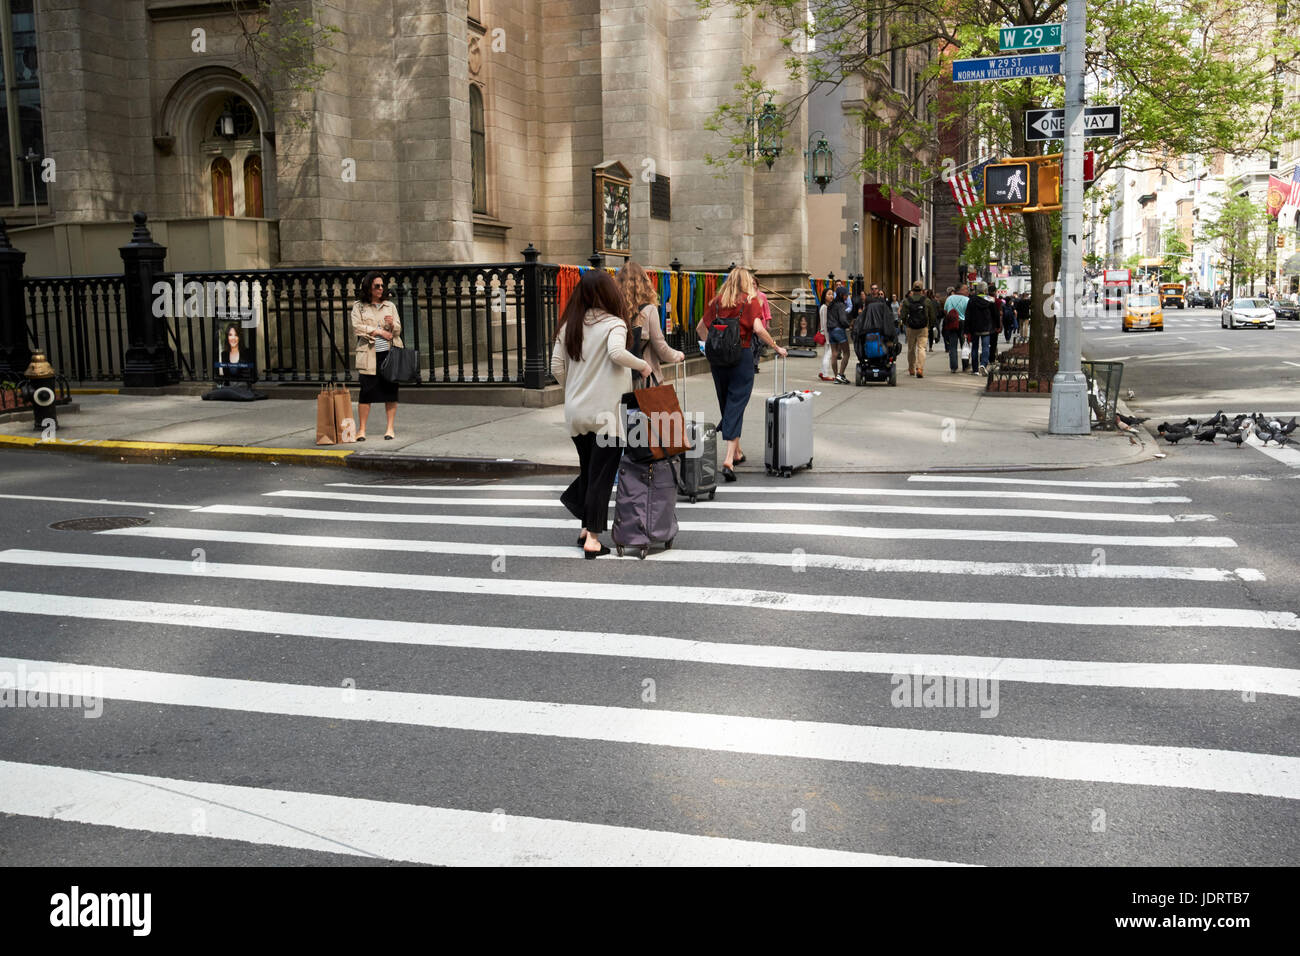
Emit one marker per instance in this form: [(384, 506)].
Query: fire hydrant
[(38, 391)]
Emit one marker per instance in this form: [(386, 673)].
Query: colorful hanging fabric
[(565, 283)]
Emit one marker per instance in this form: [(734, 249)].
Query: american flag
[(1293, 197), (967, 190)]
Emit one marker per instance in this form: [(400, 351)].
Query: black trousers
[(588, 497)]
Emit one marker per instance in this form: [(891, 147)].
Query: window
[(253, 187), (223, 192), (895, 68), (21, 122), (871, 37), (478, 148)]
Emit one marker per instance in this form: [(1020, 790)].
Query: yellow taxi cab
[(1142, 311)]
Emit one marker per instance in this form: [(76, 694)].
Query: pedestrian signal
[(1006, 184)]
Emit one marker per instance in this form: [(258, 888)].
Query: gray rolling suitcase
[(645, 506), (697, 470), (789, 429)]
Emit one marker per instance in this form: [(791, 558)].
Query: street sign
[(1006, 67), (1006, 184), (1029, 38), (1089, 164), (1050, 124)]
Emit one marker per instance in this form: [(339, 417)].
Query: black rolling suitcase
[(697, 470)]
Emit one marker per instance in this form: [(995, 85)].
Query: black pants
[(588, 497)]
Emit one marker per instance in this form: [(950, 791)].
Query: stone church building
[(440, 131)]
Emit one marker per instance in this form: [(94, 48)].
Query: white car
[(1240, 313)]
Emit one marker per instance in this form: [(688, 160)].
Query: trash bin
[(1103, 390)]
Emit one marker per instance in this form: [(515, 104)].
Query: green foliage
[(1240, 232), (282, 43)]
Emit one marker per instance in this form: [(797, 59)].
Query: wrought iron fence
[(80, 322)]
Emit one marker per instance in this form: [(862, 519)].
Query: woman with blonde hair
[(642, 304), (738, 302)]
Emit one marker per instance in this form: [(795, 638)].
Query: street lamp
[(767, 139), (818, 159), (31, 159)]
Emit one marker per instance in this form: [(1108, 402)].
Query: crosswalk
[(911, 670), (1175, 321)]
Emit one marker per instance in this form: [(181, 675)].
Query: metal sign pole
[(1069, 409)]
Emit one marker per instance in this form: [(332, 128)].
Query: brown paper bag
[(327, 429), (347, 424), (665, 423)]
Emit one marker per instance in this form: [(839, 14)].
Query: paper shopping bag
[(660, 428), (347, 425), (327, 429)]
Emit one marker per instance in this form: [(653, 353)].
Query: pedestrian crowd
[(967, 322)]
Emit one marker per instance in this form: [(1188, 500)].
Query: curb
[(162, 451)]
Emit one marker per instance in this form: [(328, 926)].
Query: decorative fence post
[(15, 352), (537, 355), (149, 362)]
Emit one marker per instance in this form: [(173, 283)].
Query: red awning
[(896, 209)]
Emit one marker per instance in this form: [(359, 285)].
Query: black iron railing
[(80, 322)]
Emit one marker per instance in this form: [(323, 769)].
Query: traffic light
[(1049, 184), (1006, 184)]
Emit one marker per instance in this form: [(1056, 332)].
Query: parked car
[(1252, 313), (1143, 312), (1200, 300), (1286, 309)]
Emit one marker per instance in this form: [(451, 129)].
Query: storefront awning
[(896, 209)]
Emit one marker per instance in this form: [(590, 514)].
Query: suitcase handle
[(679, 379), (778, 374)]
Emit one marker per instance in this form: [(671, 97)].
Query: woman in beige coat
[(642, 304), (378, 328)]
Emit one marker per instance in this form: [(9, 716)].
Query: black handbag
[(400, 365)]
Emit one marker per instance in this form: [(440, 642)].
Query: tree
[(1174, 251), (282, 41), (1194, 77), (1239, 232)]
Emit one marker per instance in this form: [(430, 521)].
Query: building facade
[(439, 131)]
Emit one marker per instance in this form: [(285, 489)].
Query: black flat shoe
[(389, 437), (742, 459), (361, 438), (581, 539), (593, 555), (728, 474)]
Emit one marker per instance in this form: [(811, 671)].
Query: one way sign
[(1050, 124)]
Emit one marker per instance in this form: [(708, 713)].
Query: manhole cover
[(107, 523)]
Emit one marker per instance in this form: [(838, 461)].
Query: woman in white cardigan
[(590, 359)]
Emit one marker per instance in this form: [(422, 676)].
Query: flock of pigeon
[(1266, 429)]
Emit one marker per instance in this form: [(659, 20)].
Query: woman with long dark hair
[(378, 328), (590, 359)]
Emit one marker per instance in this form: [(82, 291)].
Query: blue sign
[(1006, 67)]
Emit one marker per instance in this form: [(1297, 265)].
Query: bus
[(1171, 294)]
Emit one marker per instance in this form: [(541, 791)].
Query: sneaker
[(842, 379), (827, 378)]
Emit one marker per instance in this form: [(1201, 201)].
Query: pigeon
[(1207, 434), (1218, 418), (1190, 423), (1264, 436), (1289, 427), (1282, 440), (1174, 437), (1129, 421), (1236, 422), (1236, 438)]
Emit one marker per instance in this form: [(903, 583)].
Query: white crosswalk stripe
[(247, 630)]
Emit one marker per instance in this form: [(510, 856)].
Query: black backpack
[(722, 347), (914, 317)]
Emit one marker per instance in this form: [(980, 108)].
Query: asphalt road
[(435, 676), (1195, 367)]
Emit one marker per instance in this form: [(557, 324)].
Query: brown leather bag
[(664, 425)]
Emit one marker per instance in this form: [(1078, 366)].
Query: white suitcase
[(789, 429)]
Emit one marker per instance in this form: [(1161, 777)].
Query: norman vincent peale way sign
[(1006, 67)]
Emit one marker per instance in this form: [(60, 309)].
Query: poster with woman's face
[(617, 203), (234, 354)]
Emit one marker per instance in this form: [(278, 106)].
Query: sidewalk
[(942, 422)]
